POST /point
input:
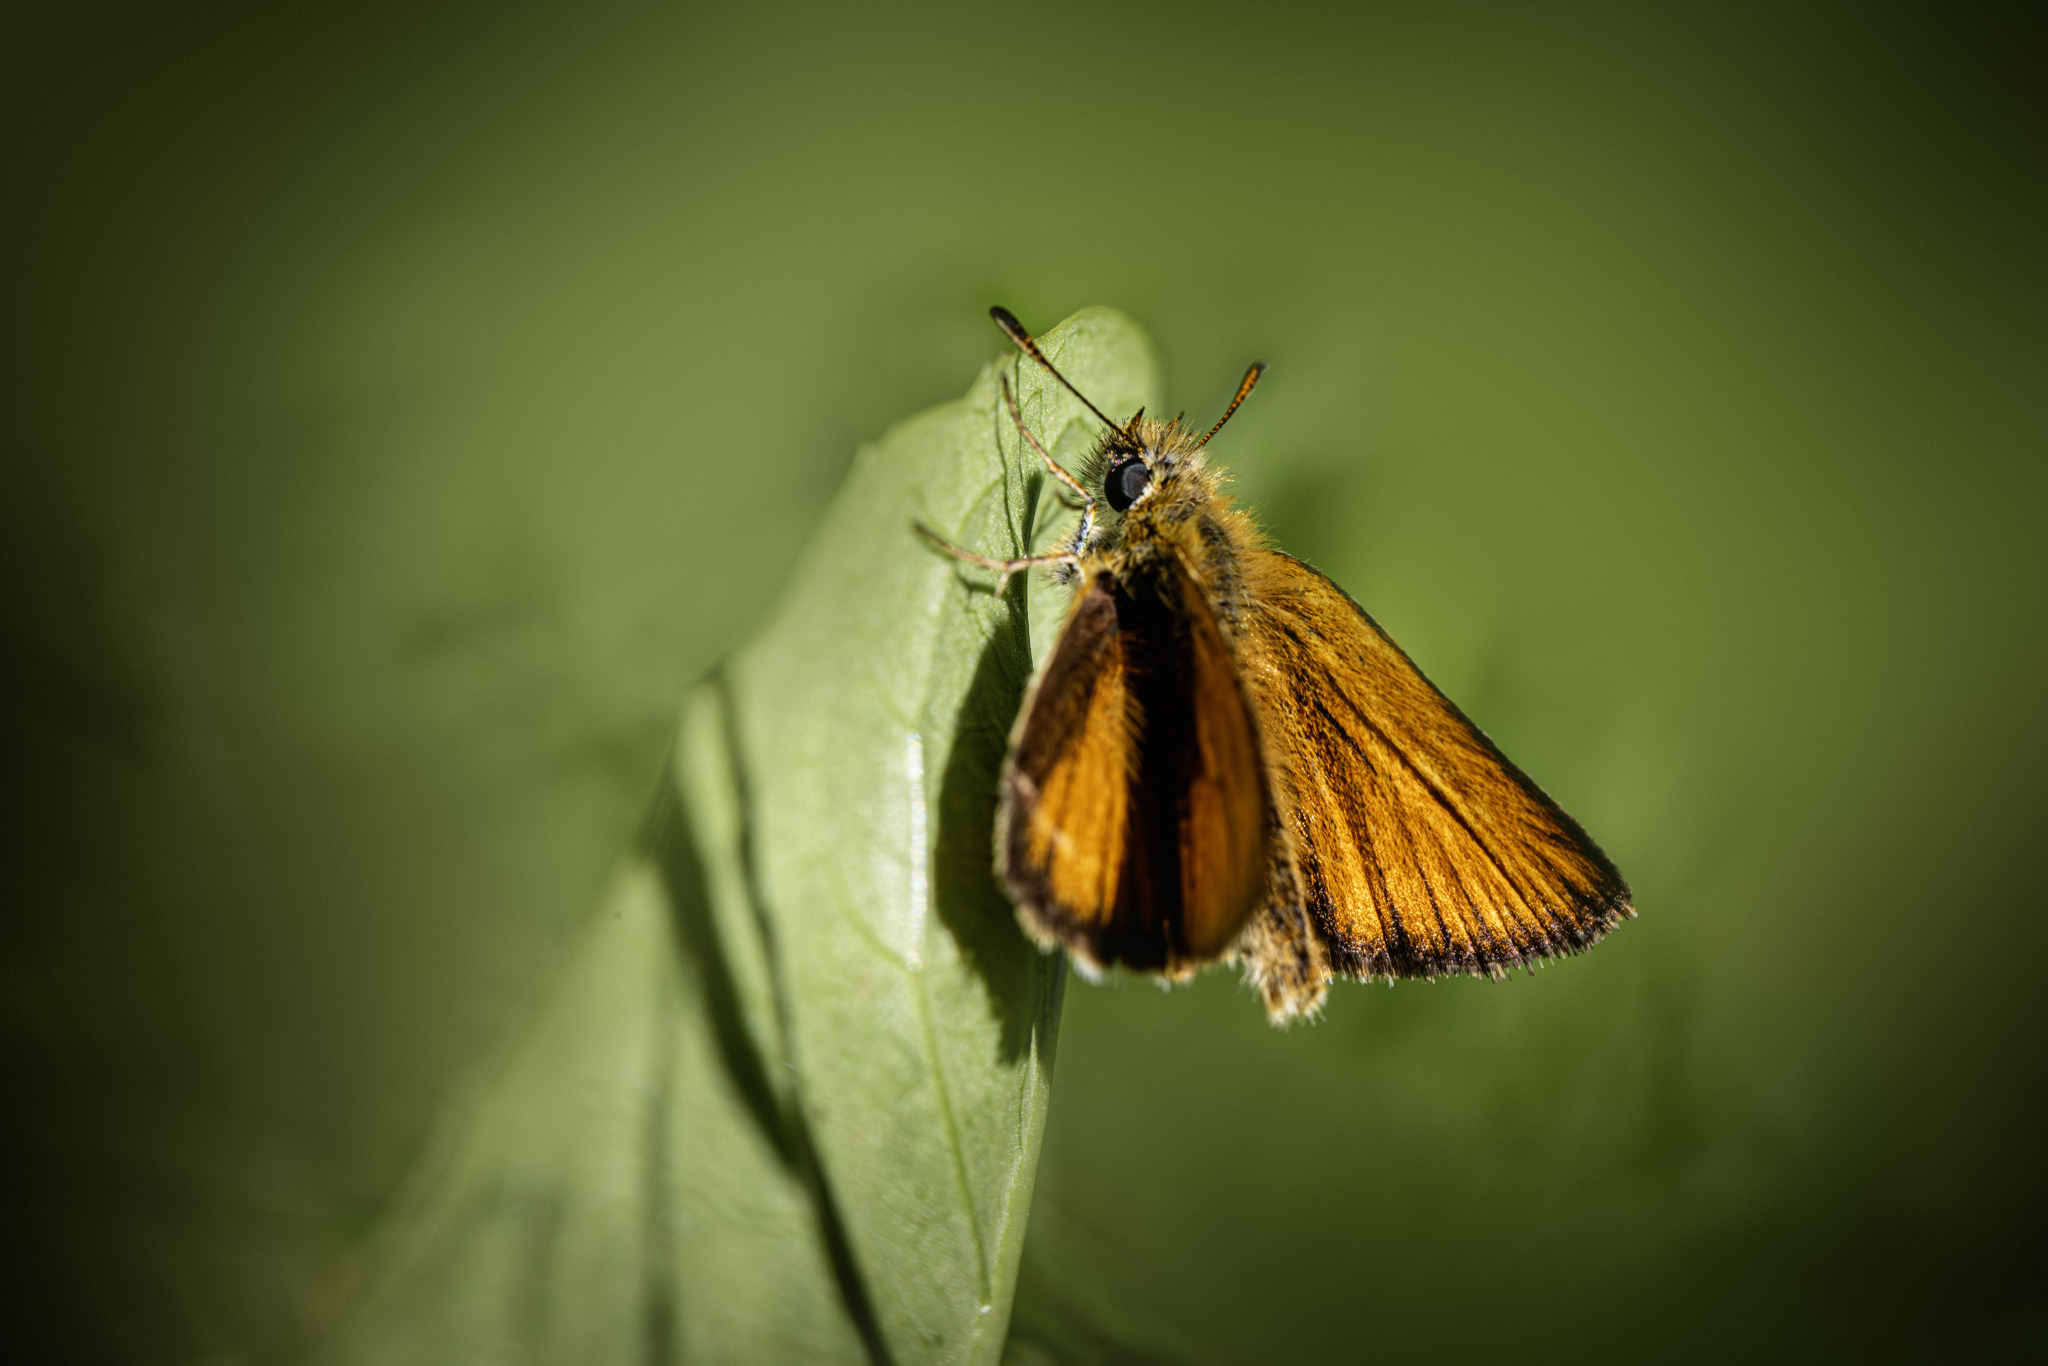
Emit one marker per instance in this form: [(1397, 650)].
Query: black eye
[(1125, 483)]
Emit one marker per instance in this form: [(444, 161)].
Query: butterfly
[(1224, 758)]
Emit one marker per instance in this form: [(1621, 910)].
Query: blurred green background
[(401, 404)]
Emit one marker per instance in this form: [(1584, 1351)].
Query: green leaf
[(787, 1101)]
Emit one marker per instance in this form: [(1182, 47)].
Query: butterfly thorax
[(1181, 512)]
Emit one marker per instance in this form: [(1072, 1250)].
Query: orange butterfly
[(1225, 758)]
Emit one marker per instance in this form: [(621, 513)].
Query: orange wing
[(1419, 850), (1135, 817)]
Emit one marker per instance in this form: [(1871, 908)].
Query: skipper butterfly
[(1225, 758)]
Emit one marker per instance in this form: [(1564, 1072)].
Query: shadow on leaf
[(967, 894)]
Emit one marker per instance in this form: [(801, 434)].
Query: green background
[(400, 407)]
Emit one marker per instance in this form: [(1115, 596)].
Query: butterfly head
[(1141, 461)]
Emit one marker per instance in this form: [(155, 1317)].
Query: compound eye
[(1126, 483)]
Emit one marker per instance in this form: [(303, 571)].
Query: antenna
[(1251, 377), (1007, 320)]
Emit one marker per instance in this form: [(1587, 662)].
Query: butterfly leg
[(1004, 568), (1087, 503)]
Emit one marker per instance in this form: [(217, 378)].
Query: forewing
[(1220, 781), (1066, 787), (1419, 849), (1134, 823)]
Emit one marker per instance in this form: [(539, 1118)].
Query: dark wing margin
[(1419, 849), (1134, 805)]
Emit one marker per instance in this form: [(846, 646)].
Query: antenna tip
[(1014, 330)]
